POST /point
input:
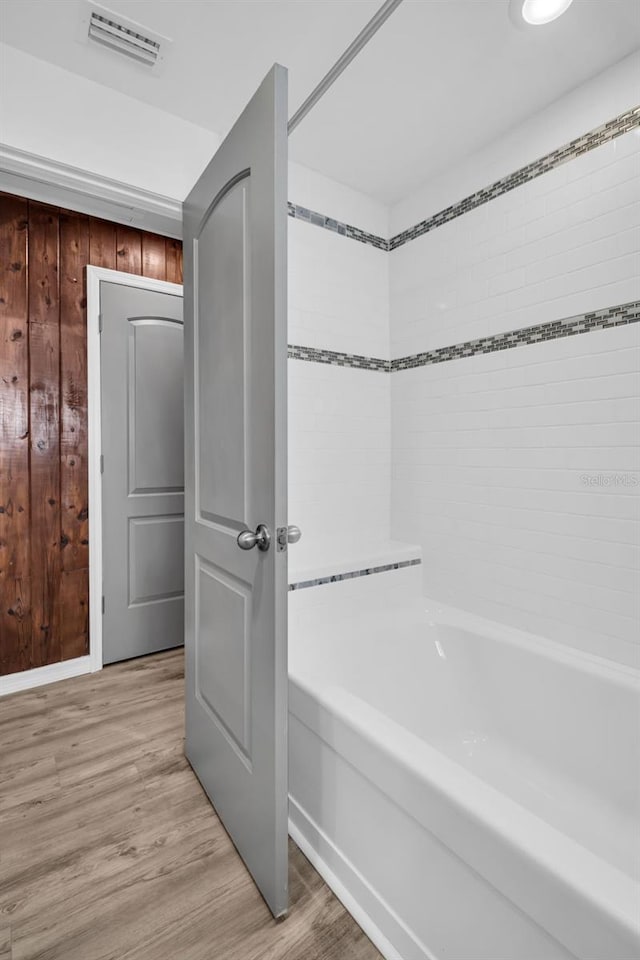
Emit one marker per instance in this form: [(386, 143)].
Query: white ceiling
[(439, 81)]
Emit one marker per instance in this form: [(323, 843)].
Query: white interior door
[(235, 322)]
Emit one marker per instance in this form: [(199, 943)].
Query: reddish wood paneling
[(15, 609), (74, 255), (154, 259), (74, 613), (44, 536), (74, 474), (173, 254), (128, 250), (102, 244), (44, 419)]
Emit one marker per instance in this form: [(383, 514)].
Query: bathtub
[(470, 792)]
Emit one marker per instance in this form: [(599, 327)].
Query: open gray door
[(235, 324)]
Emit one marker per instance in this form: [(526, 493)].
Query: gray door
[(235, 237), (142, 375)]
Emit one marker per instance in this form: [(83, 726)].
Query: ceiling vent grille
[(124, 36), (120, 38)]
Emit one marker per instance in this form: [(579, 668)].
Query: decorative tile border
[(353, 360), (589, 141), (538, 333), (354, 574), (343, 229), (354, 234), (554, 330)]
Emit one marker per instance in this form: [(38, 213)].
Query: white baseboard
[(26, 679), (351, 889)]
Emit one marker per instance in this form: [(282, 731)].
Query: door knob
[(260, 539), (293, 534), (287, 535)]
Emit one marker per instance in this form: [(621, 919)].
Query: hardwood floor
[(109, 848)]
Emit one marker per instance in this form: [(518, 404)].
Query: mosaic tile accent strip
[(538, 333), (354, 574), (589, 141), (343, 229), (353, 360), (374, 241)]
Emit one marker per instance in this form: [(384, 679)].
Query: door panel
[(223, 252), (142, 361), (152, 539), (223, 679), (235, 235), (156, 413)]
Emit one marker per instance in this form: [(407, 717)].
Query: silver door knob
[(293, 534), (260, 539), (285, 536)]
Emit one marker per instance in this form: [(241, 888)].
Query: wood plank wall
[(44, 535)]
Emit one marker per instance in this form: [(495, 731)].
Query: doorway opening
[(136, 483)]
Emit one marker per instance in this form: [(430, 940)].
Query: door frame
[(96, 275)]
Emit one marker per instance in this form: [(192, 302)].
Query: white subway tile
[(518, 472)]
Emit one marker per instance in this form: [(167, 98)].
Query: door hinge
[(101, 463), (99, 323), (103, 603)]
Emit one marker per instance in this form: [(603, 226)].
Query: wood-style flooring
[(109, 849)]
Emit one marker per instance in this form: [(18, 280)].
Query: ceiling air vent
[(124, 36)]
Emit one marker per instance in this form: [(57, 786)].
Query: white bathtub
[(469, 791)]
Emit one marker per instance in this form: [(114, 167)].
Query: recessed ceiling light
[(535, 13)]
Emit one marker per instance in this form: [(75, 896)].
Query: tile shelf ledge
[(319, 559)]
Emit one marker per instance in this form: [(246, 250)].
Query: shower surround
[(464, 427)]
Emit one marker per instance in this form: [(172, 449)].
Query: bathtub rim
[(440, 614), (564, 653)]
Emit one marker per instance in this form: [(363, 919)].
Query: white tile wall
[(316, 610), (338, 292), (518, 472), (339, 418), (563, 244), (324, 195), (503, 470), (339, 450)]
